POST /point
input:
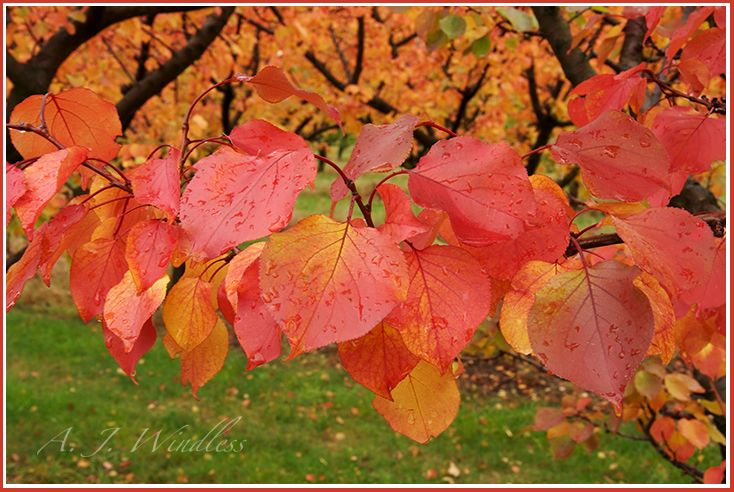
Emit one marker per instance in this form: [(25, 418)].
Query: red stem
[(548, 146), (372, 195), (438, 127)]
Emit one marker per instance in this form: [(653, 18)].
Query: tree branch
[(155, 81), (354, 79), (554, 28)]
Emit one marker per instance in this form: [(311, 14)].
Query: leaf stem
[(372, 195), (107, 164), (366, 210), (185, 125), (438, 127), (157, 149), (548, 146)]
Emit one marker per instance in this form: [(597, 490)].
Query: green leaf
[(480, 47), (521, 21), (399, 9), (453, 26)]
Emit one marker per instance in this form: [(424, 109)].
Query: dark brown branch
[(715, 220), (554, 28), (354, 79), (155, 81), (342, 56)]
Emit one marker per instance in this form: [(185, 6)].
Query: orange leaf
[(171, 346), (663, 341), (128, 360), (157, 182), (188, 312), (272, 85), (696, 432), (149, 247), (43, 180), (97, 267), (449, 295), (424, 403), (670, 244), (593, 327), (205, 360), (326, 282), (74, 117), (378, 360), (680, 386), (518, 301), (126, 308)]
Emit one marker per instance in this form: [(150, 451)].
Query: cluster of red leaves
[(400, 305)]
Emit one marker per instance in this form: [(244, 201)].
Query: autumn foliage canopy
[(402, 298)]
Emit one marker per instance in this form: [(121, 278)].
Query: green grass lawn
[(295, 421)]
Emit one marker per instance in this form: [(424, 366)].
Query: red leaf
[(77, 117), (156, 182), (662, 429), (424, 403), (43, 180), (237, 267), (652, 18), (327, 282), (260, 138), (272, 85), (126, 308), (548, 417), (593, 327), (379, 148), (681, 35), (128, 360), (484, 189), (715, 474), (97, 267), (400, 221), (712, 292), (182, 250), (378, 360), (149, 247), (188, 312), (55, 239), (606, 92), (256, 330), (433, 220), (24, 269), (235, 198), (619, 158), (546, 241), (14, 188), (693, 141), (671, 245), (204, 361), (449, 295)]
